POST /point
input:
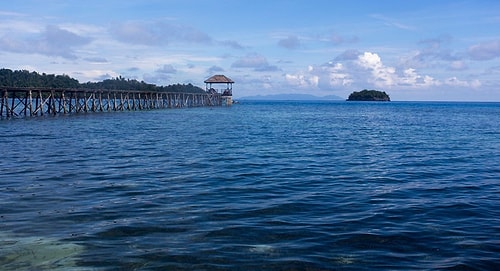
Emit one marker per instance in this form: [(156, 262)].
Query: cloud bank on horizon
[(424, 50)]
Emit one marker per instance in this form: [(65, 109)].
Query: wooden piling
[(31, 102)]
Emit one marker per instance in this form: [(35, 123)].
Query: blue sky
[(413, 50)]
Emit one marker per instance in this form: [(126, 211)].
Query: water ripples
[(281, 186)]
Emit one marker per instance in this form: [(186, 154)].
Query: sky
[(426, 50)]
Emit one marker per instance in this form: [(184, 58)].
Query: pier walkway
[(29, 102)]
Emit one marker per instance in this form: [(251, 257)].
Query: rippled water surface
[(255, 186)]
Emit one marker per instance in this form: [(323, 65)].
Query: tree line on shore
[(24, 78)]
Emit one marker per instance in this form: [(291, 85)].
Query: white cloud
[(381, 75), (304, 81), (333, 75), (411, 78), (366, 71), (454, 81)]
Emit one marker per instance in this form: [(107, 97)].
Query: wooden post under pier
[(18, 102)]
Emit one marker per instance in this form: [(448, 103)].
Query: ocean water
[(256, 186)]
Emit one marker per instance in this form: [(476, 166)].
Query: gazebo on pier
[(226, 93)]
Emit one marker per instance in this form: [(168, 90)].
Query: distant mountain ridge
[(292, 97)]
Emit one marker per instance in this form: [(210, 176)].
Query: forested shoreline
[(24, 78)]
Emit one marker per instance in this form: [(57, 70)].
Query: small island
[(369, 95)]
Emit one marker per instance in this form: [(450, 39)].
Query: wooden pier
[(24, 102)]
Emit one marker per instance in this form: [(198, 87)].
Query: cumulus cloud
[(291, 42), (388, 77), (157, 33), (485, 50), (305, 81), (337, 75), (381, 75), (367, 70), (411, 78), (384, 76), (328, 76), (254, 61), (454, 81), (53, 41)]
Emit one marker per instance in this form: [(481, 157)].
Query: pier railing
[(19, 102)]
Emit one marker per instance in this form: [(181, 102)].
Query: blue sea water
[(256, 186)]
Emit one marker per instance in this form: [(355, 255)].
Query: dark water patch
[(135, 231)]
